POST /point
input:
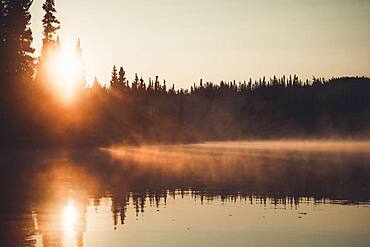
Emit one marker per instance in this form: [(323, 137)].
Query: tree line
[(153, 110)]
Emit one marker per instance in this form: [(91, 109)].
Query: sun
[(65, 70)]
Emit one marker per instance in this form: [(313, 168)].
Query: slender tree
[(122, 81), (142, 85), (50, 42), (114, 78), (51, 25), (156, 84), (135, 83)]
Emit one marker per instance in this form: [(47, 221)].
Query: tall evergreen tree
[(142, 86), (51, 25), (17, 63), (50, 41), (114, 78), (122, 81), (150, 85), (135, 83), (164, 87), (156, 84)]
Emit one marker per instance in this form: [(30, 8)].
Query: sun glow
[(65, 70)]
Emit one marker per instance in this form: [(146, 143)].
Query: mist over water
[(207, 194)]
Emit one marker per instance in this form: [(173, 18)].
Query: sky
[(185, 40)]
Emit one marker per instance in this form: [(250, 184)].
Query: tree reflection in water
[(46, 194)]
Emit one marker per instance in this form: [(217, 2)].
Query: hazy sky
[(185, 40)]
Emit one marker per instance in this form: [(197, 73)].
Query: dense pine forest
[(152, 110)]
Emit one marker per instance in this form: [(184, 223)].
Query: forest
[(153, 111)]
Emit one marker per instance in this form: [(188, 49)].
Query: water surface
[(212, 194)]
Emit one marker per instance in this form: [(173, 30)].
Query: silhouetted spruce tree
[(114, 78), (51, 25), (122, 81), (172, 90), (142, 84), (290, 81), (156, 84), (135, 83), (150, 86), (50, 41), (316, 82), (164, 87), (17, 62)]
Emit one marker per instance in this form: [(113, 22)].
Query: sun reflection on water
[(69, 219)]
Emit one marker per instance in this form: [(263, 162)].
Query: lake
[(262, 193)]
